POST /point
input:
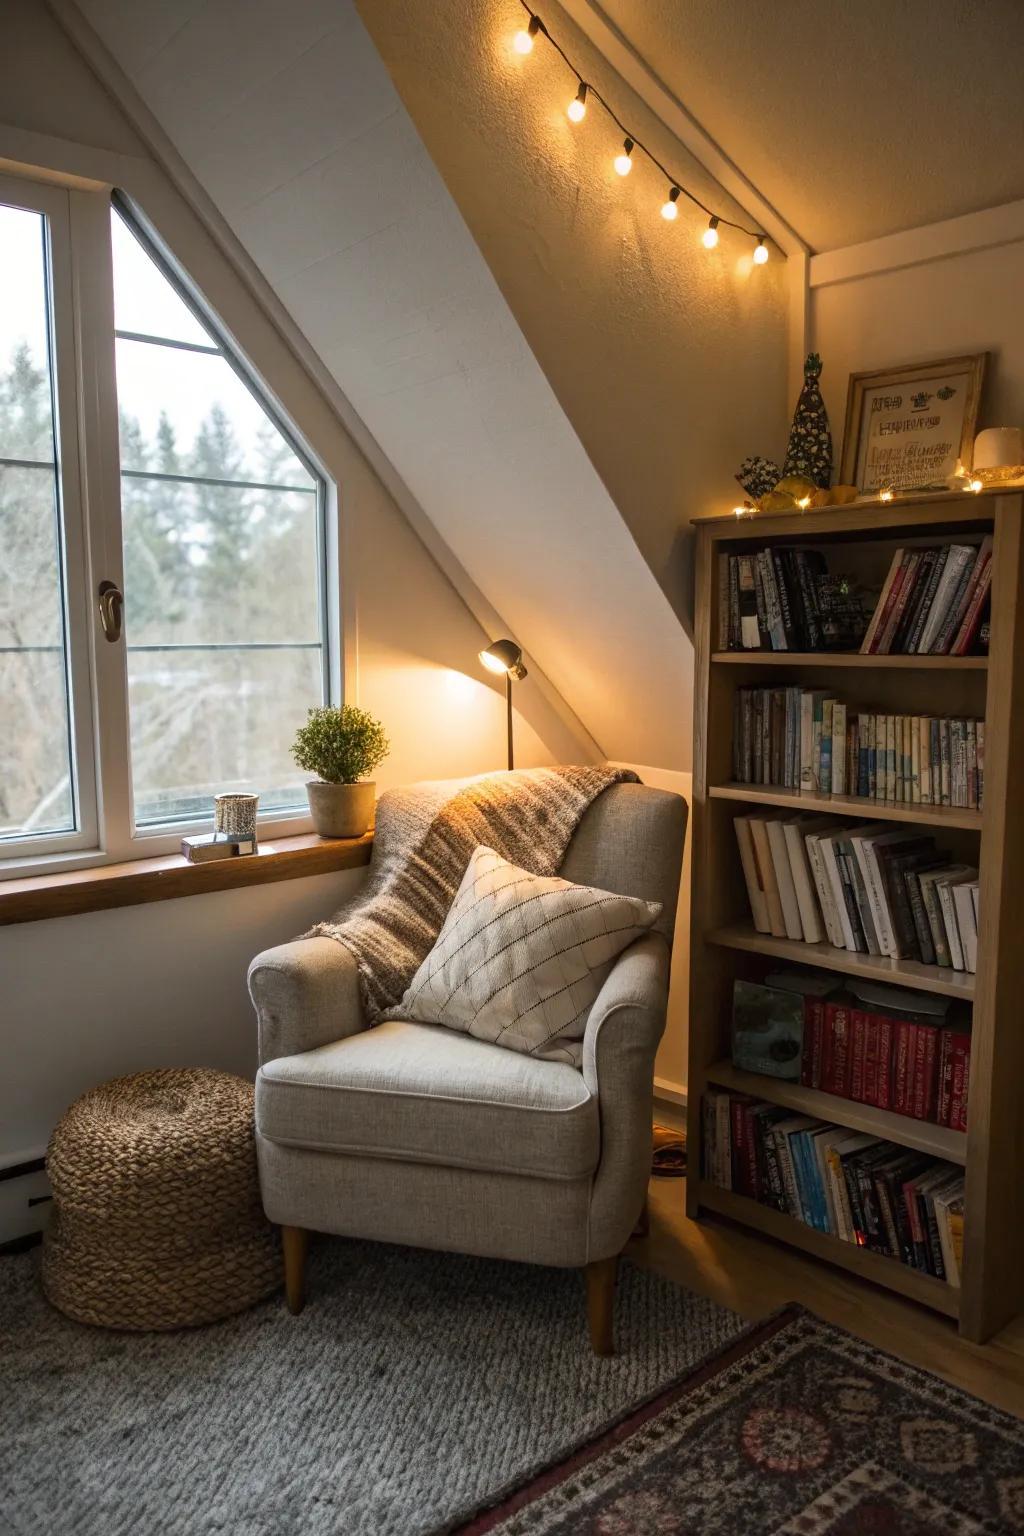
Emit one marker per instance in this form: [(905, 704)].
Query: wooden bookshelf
[(847, 659), (725, 944), (921, 1135), (860, 806)]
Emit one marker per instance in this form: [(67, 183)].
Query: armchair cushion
[(521, 958), (418, 1093)]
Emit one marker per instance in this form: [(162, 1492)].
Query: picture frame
[(908, 427)]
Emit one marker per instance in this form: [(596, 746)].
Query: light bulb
[(976, 485), (885, 495), (803, 502), (709, 239), (577, 108), (523, 40), (623, 164), (739, 511), (669, 209), (760, 252)]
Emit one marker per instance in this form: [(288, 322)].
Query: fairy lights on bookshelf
[(523, 43)]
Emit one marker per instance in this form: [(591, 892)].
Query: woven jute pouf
[(157, 1220)]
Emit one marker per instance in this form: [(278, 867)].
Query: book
[(796, 830), (779, 850), (944, 886), (966, 921), (883, 607), (766, 867), (955, 574), (750, 634), (756, 893), (767, 1030)]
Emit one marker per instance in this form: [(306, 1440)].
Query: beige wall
[(669, 361), (944, 307)]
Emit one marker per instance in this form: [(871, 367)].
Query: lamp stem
[(508, 711)]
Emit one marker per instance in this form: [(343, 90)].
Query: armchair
[(413, 1133)]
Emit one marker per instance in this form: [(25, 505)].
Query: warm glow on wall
[(523, 42)]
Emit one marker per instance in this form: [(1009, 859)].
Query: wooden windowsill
[(163, 879)]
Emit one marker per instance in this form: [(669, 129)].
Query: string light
[(623, 163), (523, 42), (885, 495), (577, 108), (976, 486)]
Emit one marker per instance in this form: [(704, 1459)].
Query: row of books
[(803, 738), (868, 887), (896, 1050), (933, 601), (784, 599), (854, 1186)]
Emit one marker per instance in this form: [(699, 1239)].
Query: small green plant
[(340, 746)]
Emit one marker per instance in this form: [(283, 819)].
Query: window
[(218, 545), (222, 561)]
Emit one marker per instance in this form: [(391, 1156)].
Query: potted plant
[(340, 746)]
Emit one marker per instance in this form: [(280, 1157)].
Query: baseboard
[(672, 1093)]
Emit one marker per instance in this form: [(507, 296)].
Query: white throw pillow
[(521, 958)]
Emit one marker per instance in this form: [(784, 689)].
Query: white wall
[(941, 305)]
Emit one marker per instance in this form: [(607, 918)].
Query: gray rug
[(413, 1387)]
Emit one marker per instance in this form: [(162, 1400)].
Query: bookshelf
[(725, 945)]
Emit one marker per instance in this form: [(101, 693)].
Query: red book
[(945, 1075), (961, 1052), (858, 1050), (902, 1066), (889, 600), (835, 1065), (753, 1179), (870, 1081), (740, 1166), (884, 1049), (814, 1022), (926, 1065)]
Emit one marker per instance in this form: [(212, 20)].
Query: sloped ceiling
[(533, 349), (853, 119)]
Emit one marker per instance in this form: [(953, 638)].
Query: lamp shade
[(504, 657)]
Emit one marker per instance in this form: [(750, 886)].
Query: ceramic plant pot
[(341, 810)]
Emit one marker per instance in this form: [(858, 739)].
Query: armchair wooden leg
[(600, 1280), (295, 1242)]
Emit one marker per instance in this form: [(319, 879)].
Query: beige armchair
[(413, 1133)]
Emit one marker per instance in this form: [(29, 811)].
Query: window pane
[(144, 300), (207, 720), (190, 412), (36, 793), (222, 554), (26, 413)]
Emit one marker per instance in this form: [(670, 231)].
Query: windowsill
[(170, 876)]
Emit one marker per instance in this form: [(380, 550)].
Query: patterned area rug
[(413, 1388), (797, 1429)]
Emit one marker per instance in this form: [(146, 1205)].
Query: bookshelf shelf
[(870, 1266), (939, 979), (848, 659), (849, 805), (921, 1135), (724, 945)]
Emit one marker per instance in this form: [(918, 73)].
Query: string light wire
[(537, 28)]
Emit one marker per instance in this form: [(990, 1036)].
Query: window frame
[(98, 689)]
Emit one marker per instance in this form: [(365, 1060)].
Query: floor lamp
[(507, 657)]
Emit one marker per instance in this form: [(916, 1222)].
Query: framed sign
[(906, 428)]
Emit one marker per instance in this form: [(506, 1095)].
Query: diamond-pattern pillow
[(521, 958)]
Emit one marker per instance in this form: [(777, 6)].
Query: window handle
[(111, 604)]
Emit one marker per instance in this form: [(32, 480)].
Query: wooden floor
[(755, 1277)]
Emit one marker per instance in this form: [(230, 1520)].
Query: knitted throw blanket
[(423, 839)]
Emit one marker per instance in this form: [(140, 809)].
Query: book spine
[(735, 614), (871, 1062), (835, 1067), (964, 638), (944, 762), (887, 599), (912, 884), (723, 603), (814, 1024), (907, 584), (926, 1072), (902, 1067), (825, 760), (785, 607), (858, 1053), (886, 1068), (961, 1073), (932, 907), (839, 748), (809, 599), (921, 618)]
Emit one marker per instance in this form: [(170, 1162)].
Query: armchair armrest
[(625, 1026), (305, 994)]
